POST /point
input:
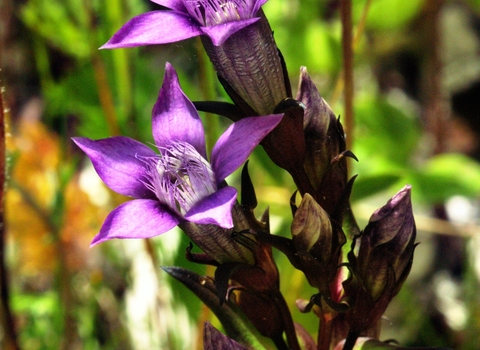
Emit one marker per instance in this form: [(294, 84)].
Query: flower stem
[(105, 95), (291, 335), (351, 339), (207, 86), (435, 109), (7, 321), (346, 14), (324, 334)]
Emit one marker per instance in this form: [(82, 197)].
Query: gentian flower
[(236, 36), (178, 184)]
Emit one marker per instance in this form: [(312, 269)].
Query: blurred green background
[(417, 121)]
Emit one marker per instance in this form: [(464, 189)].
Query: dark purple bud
[(325, 162), (317, 244), (311, 227), (388, 243), (383, 261)]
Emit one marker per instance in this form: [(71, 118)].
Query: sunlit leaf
[(384, 131), (445, 176), (388, 14), (371, 184)]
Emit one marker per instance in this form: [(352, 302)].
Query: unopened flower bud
[(325, 152), (317, 244), (388, 243), (383, 261), (311, 228)]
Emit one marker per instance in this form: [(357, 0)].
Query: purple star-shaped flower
[(178, 183), (218, 19)]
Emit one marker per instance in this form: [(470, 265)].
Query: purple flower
[(177, 184), (236, 36), (218, 19)]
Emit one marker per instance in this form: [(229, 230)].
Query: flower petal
[(215, 209), (115, 160), (222, 32), (238, 141), (155, 27), (139, 218), (173, 4), (174, 116), (257, 5)]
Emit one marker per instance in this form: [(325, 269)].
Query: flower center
[(180, 177), (212, 12)]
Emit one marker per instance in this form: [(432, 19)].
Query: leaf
[(384, 131), (364, 343), (445, 176), (213, 339), (235, 323), (369, 185), (388, 14)]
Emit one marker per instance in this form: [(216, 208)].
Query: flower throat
[(214, 12), (180, 177)]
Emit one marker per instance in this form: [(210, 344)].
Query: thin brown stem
[(6, 316), (105, 95), (324, 334), (346, 15), (356, 40), (64, 276), (435, 108), (290, 333)]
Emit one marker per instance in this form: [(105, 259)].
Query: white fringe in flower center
[(213, 12), (180, 177)]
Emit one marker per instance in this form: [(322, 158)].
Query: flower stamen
[(180, 177), (213, 12)]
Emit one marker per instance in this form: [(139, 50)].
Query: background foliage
[(417, 88)]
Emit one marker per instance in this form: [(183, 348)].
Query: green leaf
[(475, 5), (235, 323), (62, 24), (388, 14), (445, 176), (214, 339), (371, 184), (364, 343), (319, 35), (384, 131)]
